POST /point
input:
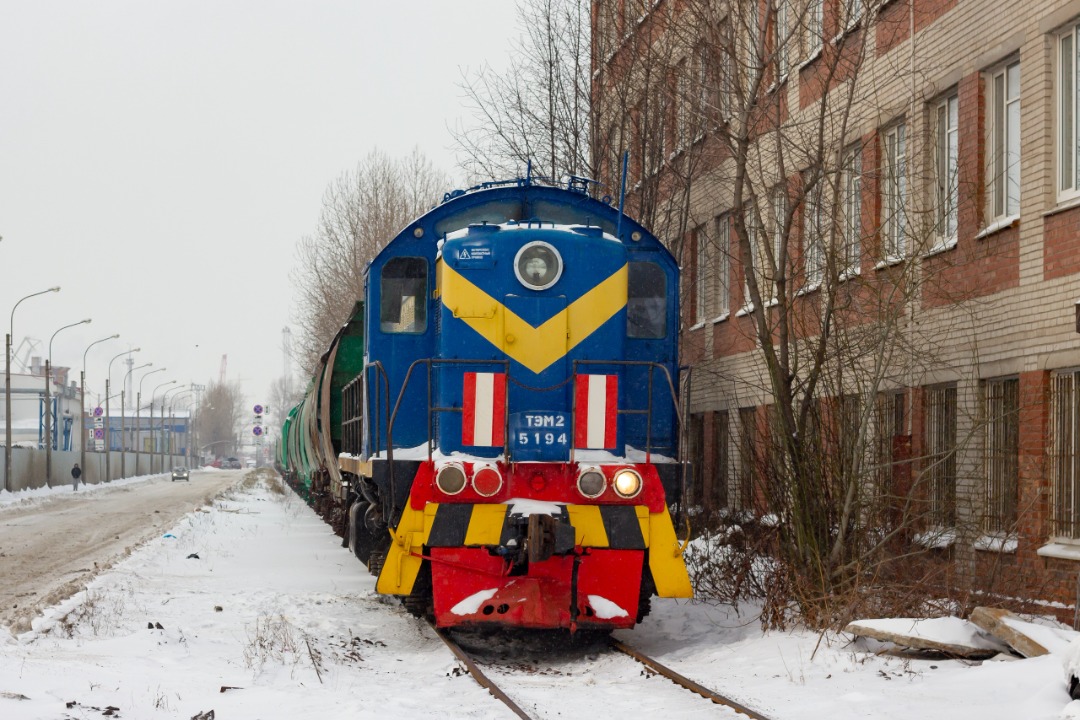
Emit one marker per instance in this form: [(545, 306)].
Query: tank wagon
[(505, 450)]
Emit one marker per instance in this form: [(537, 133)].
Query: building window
[(1004, 122), (783, 40), (403, 287), (940, 444), (744, 496), (702, 286), (891, 424), (1064, 458), (725, 84), (813, 230), (775, 263), (851, 204), (682, 107), (722, 264), (1002, 398), (752, 264), (946, 173), (853, 12), (1068, 103), (813, 29), (701, 109), (722, 446), (894, 193)]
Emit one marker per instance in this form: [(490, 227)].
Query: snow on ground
[(255, 593)]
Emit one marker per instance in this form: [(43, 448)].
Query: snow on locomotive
[(509, 450)]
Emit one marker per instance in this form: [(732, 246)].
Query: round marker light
[(590, 483), (487, 481), (450, 479), (627, 483)]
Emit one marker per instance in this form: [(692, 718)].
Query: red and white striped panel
[(483, 410), (596, 399)]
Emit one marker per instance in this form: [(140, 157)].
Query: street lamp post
[(153, 444), (164, 395), (138, 421), (7, 387), (187, 392), (82, 395), (48, 403), (123, 420), (108, 417)]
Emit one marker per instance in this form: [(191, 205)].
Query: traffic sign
[(257, 430), (99, 433), (258, 409), (98, 412)]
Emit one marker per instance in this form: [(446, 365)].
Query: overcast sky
[(160, 159)]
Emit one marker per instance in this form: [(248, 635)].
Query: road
[(50, 550)]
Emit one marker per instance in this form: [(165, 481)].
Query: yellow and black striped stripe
[(613, 527)]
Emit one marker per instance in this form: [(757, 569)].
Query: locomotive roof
[(523, 202)]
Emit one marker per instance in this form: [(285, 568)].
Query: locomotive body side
[(520, 414)]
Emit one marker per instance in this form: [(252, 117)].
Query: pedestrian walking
[(76, 473)]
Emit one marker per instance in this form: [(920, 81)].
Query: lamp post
[(164, 395), (123, 420), (108, 417), (48, 402), (138, 420), (82, 396), (187, 392), (7, 387), (152, 394)]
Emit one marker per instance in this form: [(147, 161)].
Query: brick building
[(904, 178)]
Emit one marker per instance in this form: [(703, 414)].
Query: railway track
[(490, 680)]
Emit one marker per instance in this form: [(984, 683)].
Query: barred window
[(891, 422), (744, 494), (721, 445), (1002, 399), (940, 444), (1064, 459)]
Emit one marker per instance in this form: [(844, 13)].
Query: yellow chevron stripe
[(534, 347)]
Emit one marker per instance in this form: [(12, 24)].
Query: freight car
[(508, 450)]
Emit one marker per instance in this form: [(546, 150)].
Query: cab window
[(646, 304), (403, 291)]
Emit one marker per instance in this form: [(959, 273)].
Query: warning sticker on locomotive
[(472, 255), (540, 435)]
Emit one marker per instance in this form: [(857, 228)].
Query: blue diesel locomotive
[(509, 452)]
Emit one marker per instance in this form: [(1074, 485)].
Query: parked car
[(232, 463), (181, 473)]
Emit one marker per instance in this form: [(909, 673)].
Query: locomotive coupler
[(535, 538)]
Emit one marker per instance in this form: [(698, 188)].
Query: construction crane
[(224, 365)]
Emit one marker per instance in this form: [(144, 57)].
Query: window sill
[(936, 539), (772, 303), (809, 59), (888, 262), (1059, 550), (1003, 224), (813, 287), (852, 272), (721, 318), (940, 247), (745, 310), (696, 326), (1004, 544), (1062, 206), (839, 37)]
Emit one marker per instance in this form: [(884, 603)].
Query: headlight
[(450, 479), (590, 483), (627, 483), (487, 481)]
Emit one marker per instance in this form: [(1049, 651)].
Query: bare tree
[(219, 417), (537, 110), (362, 211)]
